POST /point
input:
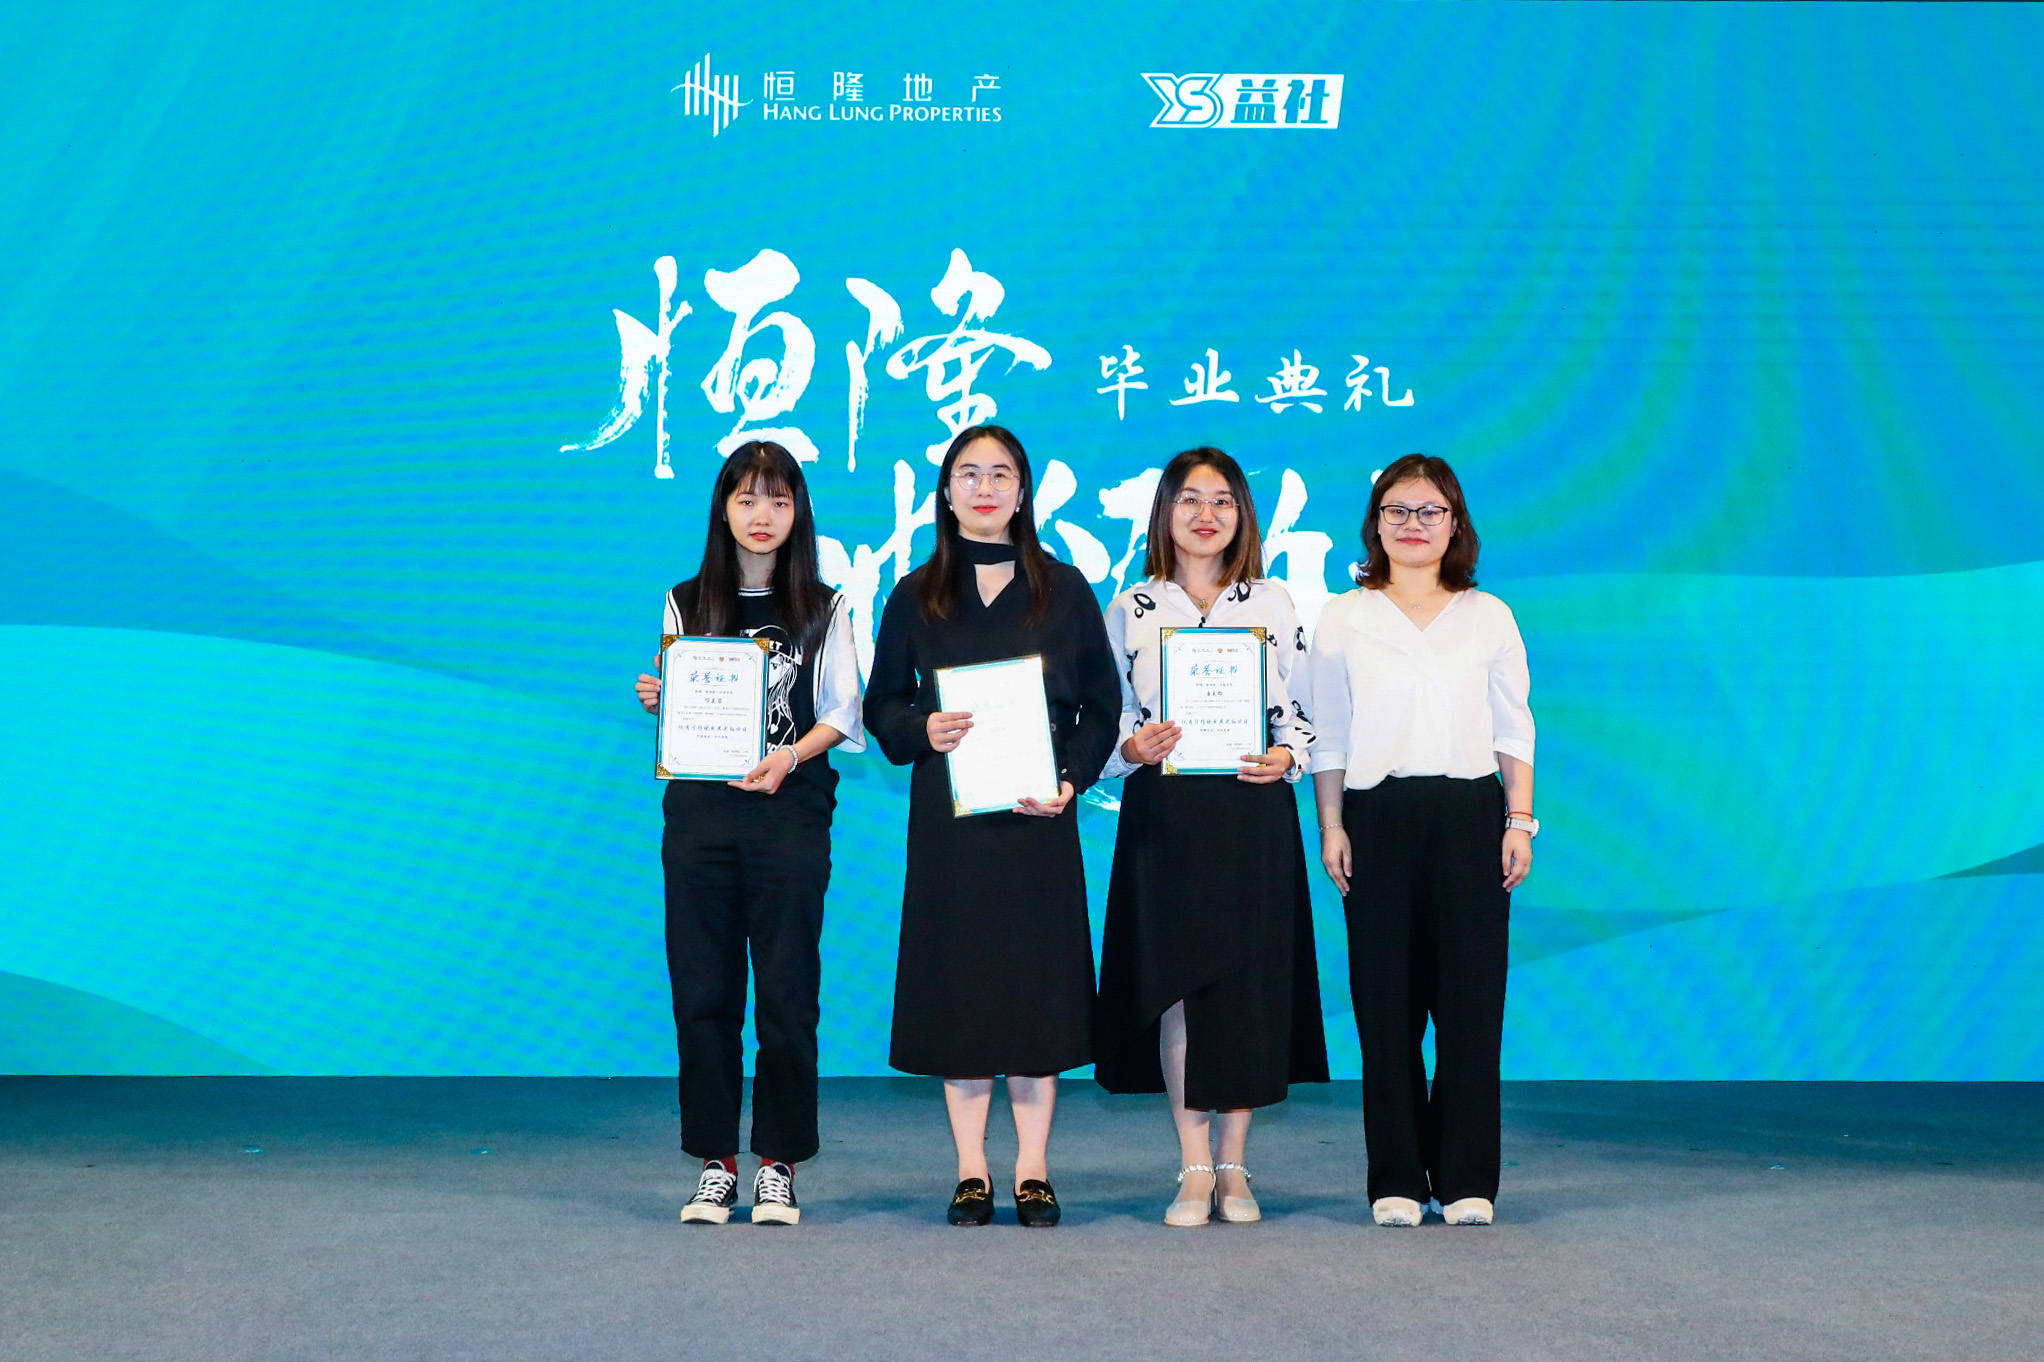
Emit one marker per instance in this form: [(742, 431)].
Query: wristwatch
[(1524, 822)]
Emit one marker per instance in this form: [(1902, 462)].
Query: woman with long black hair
[(1209, 990), (747, 862), (995, 974), (1424, 779)]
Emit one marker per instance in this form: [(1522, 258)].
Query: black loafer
[(1036, 1204), (972, 1203)]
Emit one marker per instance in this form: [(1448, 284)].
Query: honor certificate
[(712, 707), (1006, 755), (1212, 687)]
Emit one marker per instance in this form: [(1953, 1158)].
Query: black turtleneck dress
[(995, 972)]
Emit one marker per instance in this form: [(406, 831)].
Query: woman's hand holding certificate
[(994, 732), (1212, 689), (712, 708)]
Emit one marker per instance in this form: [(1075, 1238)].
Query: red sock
[(730, 1164), (766, 1162)]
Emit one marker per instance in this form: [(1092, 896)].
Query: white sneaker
[(1395, 1210), (716, 1194), (773, 1196), (1470, 1210)]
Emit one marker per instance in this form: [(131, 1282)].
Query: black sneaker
[(716, 1194), (773, 1196)]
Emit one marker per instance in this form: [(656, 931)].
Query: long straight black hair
[(937, 578), (708, 601)]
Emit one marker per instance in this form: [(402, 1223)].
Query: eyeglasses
[(1429, 515), (971, 479), (1223, 504)]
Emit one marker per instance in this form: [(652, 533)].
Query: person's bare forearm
[(1327, 796), (1518, 778)]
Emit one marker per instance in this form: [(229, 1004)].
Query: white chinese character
[(1130, 501), (1358, 383), (762, 387), (917, 88), (1121, 371), (845, 85), (780, 85), (1053, 490), (1304, 552), (883, 323), (1293, 383), (1404, 401), (640, 350), (984, 83), (951, 362), (857, 572), (1208, 384)]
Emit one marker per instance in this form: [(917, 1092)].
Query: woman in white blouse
[(1208, 986), (1423, 775)]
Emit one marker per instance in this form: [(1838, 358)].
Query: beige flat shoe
[(1470, 1210), (1187, 1215), (1396, 1210), (1237, 1210)]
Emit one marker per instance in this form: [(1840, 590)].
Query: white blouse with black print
[(1134, 618)]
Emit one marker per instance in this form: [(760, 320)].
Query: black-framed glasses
[(971, 479), (1224, 504), (1429, 515)]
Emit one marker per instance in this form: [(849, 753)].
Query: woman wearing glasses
[(995, 973), (1424, 780), (1208, 987)]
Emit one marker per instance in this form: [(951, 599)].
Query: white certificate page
[(1213, 689), (712, 708), (1007, 753)]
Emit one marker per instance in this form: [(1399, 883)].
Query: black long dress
[(1209, 902), (995, 972), (1223, 924)]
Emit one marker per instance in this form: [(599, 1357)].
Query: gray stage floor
[(223, 1219)]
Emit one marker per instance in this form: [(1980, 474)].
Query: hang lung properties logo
[(1267, 101), (706, 96)]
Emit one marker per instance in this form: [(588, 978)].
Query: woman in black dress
[(995, 974), (1208, 985)]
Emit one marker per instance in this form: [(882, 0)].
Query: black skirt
[(995, 973), (1210, 903)]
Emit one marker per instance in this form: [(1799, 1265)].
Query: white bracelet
[(789, 749)]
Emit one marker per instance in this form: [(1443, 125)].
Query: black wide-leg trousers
[(747, 870), (1427, 929)]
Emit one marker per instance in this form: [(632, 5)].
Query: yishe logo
[(1271, 101)]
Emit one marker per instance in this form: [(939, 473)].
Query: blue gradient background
[(315, 649)]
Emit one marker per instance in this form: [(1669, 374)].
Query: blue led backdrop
[(363, 369)]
